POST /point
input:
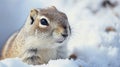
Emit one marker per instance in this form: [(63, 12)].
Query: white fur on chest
[(46, 50)]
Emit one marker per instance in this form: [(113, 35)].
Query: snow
[(93, 45), (16, 62)]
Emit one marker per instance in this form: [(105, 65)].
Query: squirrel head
[(48, 23)]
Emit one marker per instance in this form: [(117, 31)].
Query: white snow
[(91, 43)]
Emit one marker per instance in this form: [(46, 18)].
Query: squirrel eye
[(43, 21)]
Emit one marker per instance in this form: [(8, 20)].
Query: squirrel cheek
[(57, 33), (58, 37)]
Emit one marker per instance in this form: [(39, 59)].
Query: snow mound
[(16, 62)]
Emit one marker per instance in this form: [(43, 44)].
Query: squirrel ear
[(33, 15), (53, 7)]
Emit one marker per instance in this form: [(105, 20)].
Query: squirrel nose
[(65, 35)]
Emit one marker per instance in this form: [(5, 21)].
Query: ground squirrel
[(43, 37)]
